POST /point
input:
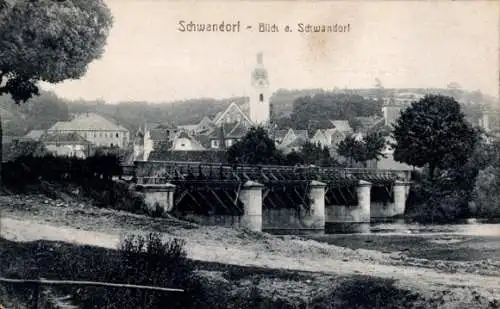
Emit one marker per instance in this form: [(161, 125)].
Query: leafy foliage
[(315, 154), (59, 41), (315, 112), (434, 132), (366, 149), (255, 148), (351, 149), (487, 183), (39, 113), (22, 148)]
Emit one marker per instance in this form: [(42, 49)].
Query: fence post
[(36, 295)]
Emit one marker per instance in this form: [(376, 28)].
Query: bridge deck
[(199, 172)]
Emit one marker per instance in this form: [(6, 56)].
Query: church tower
[(260, 108)]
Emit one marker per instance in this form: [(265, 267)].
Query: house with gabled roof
[(95, 128), (233, 114), (289, 137), (227, 135), (161, 132), (321, 138), (34, 135), (341, 125), (278, 136), (66, 144), (204, 127), (185, 142), (294, 146), (293, 140)]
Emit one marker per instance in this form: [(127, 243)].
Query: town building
[(33, 135), (185, 142), (260, 107), (142, 145), (232, 124), (490, 120), (293, 140), (96, 129), (394, 105), (66, 144)]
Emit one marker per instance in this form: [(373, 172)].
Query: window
[(261, 97), (215, 143), (117, 135)]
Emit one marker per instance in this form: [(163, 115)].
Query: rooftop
[(87, 122)]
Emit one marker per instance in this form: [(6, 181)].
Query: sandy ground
[(35, 217)]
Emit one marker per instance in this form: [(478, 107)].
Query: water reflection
[(470, 227)]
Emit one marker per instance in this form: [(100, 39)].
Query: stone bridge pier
[(294, 214), (359, 213), (271, 197), (162, 196), (157, 196), (396, 207)]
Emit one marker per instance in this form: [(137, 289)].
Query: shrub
[(487, 193), (142, 260)]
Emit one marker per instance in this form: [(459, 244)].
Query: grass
[(55, 260), (419, 246)]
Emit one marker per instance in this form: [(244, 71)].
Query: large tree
[(433, 133), (362, 150), (255, 148), (49, 41), (351, 149), (315, 154)]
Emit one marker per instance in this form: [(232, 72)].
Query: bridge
[(271, 197)]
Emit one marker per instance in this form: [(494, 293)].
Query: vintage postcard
[(238, 154)]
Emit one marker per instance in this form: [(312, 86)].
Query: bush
[(487, 193), (142, 260), (93, 175)]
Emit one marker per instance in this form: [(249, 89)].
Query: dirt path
[(26, 230), (36, 218)]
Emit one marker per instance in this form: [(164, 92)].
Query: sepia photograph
[(161, 154)]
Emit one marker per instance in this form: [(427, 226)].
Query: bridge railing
[(182, 169)]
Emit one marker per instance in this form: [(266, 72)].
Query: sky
[(404, 44)]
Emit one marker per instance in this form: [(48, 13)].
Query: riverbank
[(32, 218)]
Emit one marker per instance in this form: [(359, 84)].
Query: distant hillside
[(43, 111), (134, 114), (283, 99)]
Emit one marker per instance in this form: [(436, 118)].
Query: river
[(471, 240), (470, 227)]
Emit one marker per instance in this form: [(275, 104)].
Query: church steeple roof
[(260, 72)]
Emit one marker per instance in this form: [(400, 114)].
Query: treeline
[(315, 112), (93, 178), (257, 148), (457, 161), (39, 113), (299, 109)]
